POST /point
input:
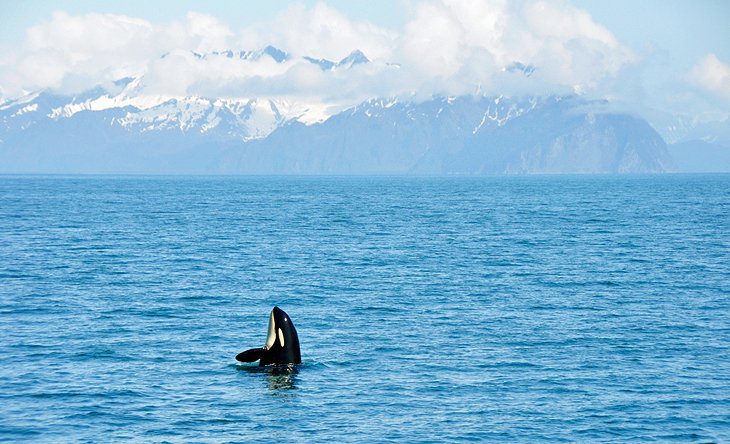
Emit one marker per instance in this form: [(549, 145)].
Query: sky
[(648, 57)]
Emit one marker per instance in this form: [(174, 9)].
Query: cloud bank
[(712, 75), (446, 47)]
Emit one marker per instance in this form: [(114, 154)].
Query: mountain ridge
[(450, 136), (120, 129)]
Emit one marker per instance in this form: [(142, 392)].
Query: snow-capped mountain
[(122, 128), (242, 118)]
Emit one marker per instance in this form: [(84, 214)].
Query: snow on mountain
[(250, 119), (682, 128), (30, 108), (6, 104), (243, 118), (129, 97), (276, 54), (488, 111), (698, 145)]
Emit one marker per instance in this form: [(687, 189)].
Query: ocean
[(429, 309)]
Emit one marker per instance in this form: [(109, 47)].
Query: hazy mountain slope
[(698, 156), (459, 136)]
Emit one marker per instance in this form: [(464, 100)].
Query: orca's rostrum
[(282, 343)]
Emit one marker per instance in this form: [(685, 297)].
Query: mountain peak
[(275, 53), (324, 64), (356, 57), (527, 70)]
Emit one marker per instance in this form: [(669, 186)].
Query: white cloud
[(473, 42), (207, 32), (98, 46), (101, 48), (712, 75), (447, 47), (320, 32), (434, 42)]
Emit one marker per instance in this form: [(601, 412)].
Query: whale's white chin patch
[(271, 338), (281, 337)]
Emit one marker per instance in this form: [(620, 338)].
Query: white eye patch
[(271, 337), (281, 338)]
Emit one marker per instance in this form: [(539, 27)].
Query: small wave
[(380, 309)]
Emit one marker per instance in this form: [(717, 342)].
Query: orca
[(282, 343)]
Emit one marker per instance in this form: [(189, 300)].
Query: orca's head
[(282, 340)]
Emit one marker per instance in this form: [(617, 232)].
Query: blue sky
[(649, 55), (18, 16), (685, 30)]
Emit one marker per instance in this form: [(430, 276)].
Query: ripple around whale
[(524, 309)]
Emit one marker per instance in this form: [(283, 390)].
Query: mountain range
[(121, 128)]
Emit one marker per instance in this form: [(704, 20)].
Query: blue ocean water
[(520, 309)]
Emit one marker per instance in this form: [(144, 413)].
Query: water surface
[(567, 308)]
